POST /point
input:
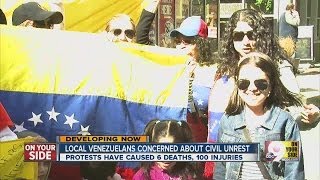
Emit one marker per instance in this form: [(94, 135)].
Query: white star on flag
[(70, 120), (200, 102), (53, 114), (36, 119), (19, 128), (84, 131), (85, 128)]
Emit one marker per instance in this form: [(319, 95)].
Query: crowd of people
[(246, 93)]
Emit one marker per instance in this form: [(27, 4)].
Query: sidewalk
[(309, 83)]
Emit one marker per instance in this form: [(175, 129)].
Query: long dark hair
[(181, 133), (204, 54), (266, 42), (279, 95)]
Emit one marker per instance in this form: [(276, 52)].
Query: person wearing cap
[(191, 38), (31, 14), (192, 30)]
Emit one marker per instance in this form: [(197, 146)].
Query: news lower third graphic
[(89, 139), (135, 148), (40, 152), (282, 150)]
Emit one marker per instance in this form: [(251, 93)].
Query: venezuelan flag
[(60, 83)]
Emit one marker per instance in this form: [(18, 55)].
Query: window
[(182, 11), (212, 18), (308, 12), (318, 28), (308, 8), (166, 22), (227, 7), (197, 8)]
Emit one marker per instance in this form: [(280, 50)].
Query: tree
[(265, 6)]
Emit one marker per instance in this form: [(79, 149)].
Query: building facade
[(310, 16), (217, 12)]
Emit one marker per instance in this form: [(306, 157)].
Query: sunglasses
[(128, 32), (185, 41), (42, 24), (238, 36), (261, 84)]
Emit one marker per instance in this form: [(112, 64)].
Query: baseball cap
[(3, 19), (192, 26), (33, 11)]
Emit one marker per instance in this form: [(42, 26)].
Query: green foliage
[(265, 5)]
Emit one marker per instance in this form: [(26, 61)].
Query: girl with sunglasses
[(256, 110)]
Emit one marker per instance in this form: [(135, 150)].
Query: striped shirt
[(250, 170)]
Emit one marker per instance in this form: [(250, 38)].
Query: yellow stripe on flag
[(74, 63)]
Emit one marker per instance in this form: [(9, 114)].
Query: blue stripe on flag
[(103, 115)]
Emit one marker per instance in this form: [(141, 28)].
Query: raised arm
[(145, 21)]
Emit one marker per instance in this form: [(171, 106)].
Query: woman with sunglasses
[(255, 111)]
